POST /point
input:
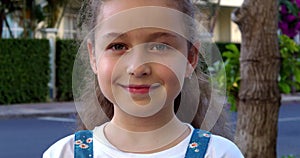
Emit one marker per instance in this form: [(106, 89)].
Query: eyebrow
[(114, 35), (157, 35), (152, 36)]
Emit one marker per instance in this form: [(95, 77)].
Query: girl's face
[(140, 69)]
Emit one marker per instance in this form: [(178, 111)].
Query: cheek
[(171, 82), (104, 73), (174, 85), (104, 68)]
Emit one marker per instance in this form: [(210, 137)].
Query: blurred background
[(37, 51)]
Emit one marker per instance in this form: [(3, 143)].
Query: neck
[(142, 124), (145, 135)]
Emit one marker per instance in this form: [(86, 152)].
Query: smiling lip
[(139, 89)]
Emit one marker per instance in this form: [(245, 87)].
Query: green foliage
[(222, 46), (290, 66), (24, 71), (232, 68), (289, 74), (229, 77), (65, 55), (290, 156)]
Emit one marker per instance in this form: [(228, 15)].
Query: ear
[(192, 57), (91, 50)]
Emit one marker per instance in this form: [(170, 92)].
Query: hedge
[(24, 71), (66, 51)]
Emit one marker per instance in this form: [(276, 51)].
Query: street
[(30, 137), (289, 130)]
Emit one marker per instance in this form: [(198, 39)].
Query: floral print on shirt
[(83, 144)]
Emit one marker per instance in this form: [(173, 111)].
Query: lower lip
[(139, 90)]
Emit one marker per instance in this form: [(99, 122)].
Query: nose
[(139, 71), (138, 65)]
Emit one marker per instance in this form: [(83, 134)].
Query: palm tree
[(54, 12), (6, 7), (29, 13), (211, 9)]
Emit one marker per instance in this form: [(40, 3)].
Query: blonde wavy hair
[(93, 100)]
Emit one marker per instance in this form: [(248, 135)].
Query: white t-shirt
[(218, 147)]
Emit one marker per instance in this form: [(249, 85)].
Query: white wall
[(231, 3)]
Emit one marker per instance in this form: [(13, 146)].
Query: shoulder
[(222, 147), (62, 148)]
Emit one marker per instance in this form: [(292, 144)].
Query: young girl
[(137, 85)]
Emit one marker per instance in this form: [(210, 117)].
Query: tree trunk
[(8, 27), (2, 15), (259, 94)]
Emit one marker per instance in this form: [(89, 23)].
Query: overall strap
[(198, 144), (83, 145)]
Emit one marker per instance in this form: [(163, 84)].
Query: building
[(224, 31)]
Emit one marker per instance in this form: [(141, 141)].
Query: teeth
[(155, 85)]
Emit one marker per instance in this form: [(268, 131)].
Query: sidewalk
[(290, 98), (68, 108), (37, 110)]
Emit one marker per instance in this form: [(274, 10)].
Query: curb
[(37, 110), (287, 98)]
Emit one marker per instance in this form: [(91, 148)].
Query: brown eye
[(118, 47)]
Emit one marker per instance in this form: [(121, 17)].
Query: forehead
[(143, 34), (112, 7), (125, 15)]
